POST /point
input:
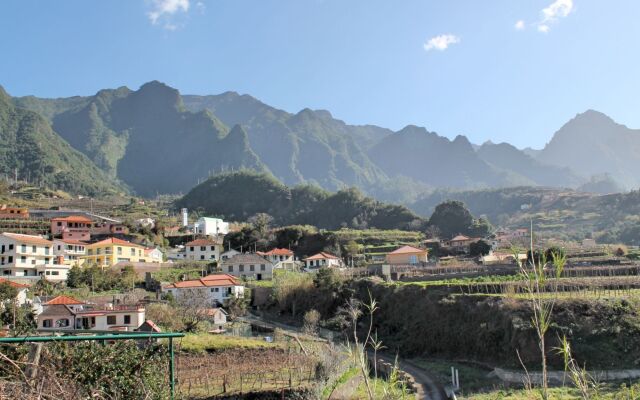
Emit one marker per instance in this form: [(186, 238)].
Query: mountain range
[(156, 140)]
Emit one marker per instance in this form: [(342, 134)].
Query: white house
[(154, 255), (65, 313), (228, 254), (210, 227), (248, 265), (21, 297), (321, 260), (211, 290), (280, 258), (203, 250), (29, 257), (69, 252)]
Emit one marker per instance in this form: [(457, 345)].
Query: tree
[(193, 306), (44, 287), (7, 292), (75, 277), (261, 223), (311, 321), (451, 218), (479, 248)]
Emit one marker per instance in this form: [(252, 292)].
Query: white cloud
[(163, 9), (441, 42), (556, 10), (519, 25)]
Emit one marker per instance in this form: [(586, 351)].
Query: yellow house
[(407, 255), (108, 252)]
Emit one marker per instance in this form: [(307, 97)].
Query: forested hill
[(33, 151), (242, 194)]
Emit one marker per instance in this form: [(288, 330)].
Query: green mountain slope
[(147, 139), (242, 194), (31, 148), (310, 146)]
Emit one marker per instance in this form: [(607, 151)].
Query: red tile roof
[(207, 281), (322, 256), (202, 242), (28, 239), (460, 238), (63, 300), (408, 250), (121, 242), (71, 241), (13, 284), (73, 218), (278, 252)]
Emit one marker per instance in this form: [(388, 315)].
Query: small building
[(111, 251), (589, 243), (7, 212), (154, 255), (146, 223), (29, 257), (502, 257), (73, 227), (218, 317), (21, 297), (203, 250), (407, 255), (70, 252), (280, 258), (228, 254), (65, 313), (211, 290), (321, 260), (248, 266), (460, 243), (210, 227)]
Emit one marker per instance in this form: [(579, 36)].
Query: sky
[(502, 70)]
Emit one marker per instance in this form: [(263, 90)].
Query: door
[(259, 277)]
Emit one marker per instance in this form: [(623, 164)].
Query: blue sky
[(504, 70)]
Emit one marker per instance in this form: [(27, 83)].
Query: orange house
[(407, 255)]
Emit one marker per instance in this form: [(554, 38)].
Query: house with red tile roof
[(212, 290), (248, 266), (111, 251), (204, 249), (459, 243), (322, 260), (73, 227), (65, 313), (407, 255), (280, 258), (69, 251), (21, 297), (29, 257)]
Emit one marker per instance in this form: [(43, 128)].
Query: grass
[(343, 379), (205, 342), (381, 390), (606, 392)]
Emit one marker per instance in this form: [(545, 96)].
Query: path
[(428, 387)]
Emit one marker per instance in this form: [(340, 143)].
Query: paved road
[(428, 387)]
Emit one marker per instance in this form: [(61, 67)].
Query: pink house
[(74, 227)]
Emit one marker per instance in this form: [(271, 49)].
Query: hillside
[(33, 151), (147, 138), (242, 194), (594, 144), (564, 214)]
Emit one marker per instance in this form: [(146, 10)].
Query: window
[(240, 268), (127, 319), (252, 268), (10, 247), (46, 260), (47, 272), (34, 249), (59, 223), (24, 248), (119, 251), (191, 248), (203, 248), (213, 248), (413, 259), (111, 319), (230, 268), (213, 256), (62, 323), (23, 259), (263, 267), (202, 256), (46, 250), (217, 290), (47, 323), (212, 290), (133, 252), (10, 259), (55, 272)]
